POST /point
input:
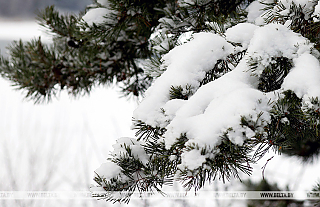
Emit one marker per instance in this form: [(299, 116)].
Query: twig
[(264, 167)]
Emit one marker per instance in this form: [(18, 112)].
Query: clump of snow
[(171, 108), (285, 8), (96, 16), (316, 13), (216, 107), (183, 3), (97, 190), (306, 5), (192, 159), (104, 2), (137, 151), (108, 170), (255, 12), (275, 40), (186, 64), (166, 21), (285, 120), (161, 42), (241, 33), (304, 77)]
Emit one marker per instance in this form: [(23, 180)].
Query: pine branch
[(57, 24), (227, 161), (181, 93), (300, 20), (137, 176), (39, 81), (294, 130), (147, 132), (222, 67), (273, 75), (316, 190)]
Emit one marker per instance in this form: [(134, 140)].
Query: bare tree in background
[(37, 158)]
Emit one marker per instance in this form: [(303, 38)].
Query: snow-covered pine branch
[(231, 79), (203, 128)]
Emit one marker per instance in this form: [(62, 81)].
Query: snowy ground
[(57, 146)]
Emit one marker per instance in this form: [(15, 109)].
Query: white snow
[(316, 13), (183, 3), (306, 5), (108, 170), (275, 40), (139, 153), (137, 150), (172, 106), (55, 146), (104, 2), (255, 13), (216, 108), (241, 33), (192, 159), (96, 15), (304, 77), (186, 64)]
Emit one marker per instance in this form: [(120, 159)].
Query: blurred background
[(53, 146), (26, 8), (57, 146)]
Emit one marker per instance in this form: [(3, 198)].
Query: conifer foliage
[(231, 80), (86, 53)]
